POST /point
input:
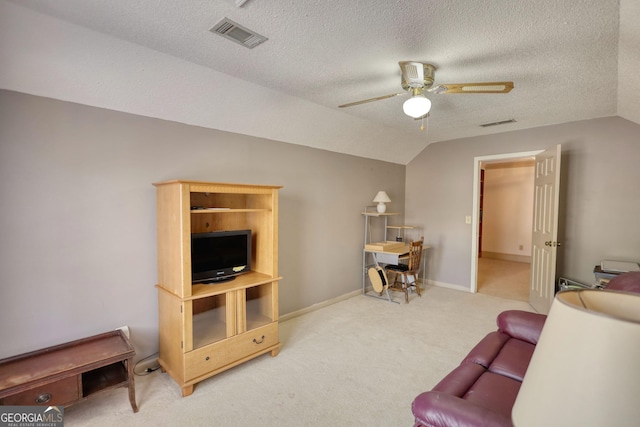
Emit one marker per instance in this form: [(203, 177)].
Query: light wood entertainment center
[(208, 328)]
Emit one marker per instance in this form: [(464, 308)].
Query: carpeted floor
[(357, 362), (505, 279)]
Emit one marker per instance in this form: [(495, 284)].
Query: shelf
[(225, 210), (383, 246), (380, 214), (219, 187), (208, 328), (258, 306), (242, 281), (110, 376), (255, 321), (401, 227)]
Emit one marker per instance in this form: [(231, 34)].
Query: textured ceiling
[(561, 55)]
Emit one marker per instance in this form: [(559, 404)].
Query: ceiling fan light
[(416, 106)]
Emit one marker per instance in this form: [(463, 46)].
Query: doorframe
[(475, 220)]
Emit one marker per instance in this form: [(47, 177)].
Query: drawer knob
[(206, 358), (259, 342), (43, 398)]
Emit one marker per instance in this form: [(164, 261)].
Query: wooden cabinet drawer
[(54, 393), (215, 356)]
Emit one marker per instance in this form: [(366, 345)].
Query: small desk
[(390, 256)]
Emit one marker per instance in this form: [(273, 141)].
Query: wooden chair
[(408, 272)]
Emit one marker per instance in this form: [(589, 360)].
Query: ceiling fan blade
[(378, 98), (486, 87)]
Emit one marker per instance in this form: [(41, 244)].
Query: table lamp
[(585, 370), (381, 198)]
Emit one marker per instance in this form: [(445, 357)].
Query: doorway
[(505, 224), (496, 267)]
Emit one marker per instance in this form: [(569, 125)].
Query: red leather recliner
[(482, 390)]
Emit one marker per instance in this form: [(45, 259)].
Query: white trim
[(475, 221), (526, 259), (448, 285), (355, 293), (319, 305)]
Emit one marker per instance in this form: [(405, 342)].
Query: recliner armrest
[(522, 325), (436, 409), (486, 350)]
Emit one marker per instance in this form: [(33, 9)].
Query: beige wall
[(600, 195), (78, 215), (507, 212), (78, 222)]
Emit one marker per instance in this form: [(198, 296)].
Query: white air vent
[(237, 33)]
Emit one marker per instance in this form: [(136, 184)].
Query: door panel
[(545, 229)]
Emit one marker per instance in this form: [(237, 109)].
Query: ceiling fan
[(417, 79)]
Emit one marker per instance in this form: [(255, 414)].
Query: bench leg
[(132, 386)]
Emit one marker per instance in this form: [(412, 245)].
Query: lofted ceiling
[(563, 57)]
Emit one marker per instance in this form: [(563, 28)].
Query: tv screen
[(220, 255)]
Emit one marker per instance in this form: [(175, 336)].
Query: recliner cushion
[(522, 325), (487, 349), (460, 380), (494, 392), (513, 359), (437, 409), (628, 282)]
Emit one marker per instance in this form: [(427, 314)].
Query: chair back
[(415, 254)]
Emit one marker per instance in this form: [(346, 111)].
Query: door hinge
[(181, 344)]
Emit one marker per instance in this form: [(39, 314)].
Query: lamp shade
[(416, 106), (585, 369), (381, 197)]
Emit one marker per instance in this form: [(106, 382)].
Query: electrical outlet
[(467, 219), (124, 329), (521, 247)]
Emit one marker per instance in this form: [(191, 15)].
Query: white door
[(545, 229)]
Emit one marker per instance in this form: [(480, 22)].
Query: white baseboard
[(448, 285), (507, 257), (319, 305), (357, 292)]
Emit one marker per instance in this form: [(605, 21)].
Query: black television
[(220, 255)]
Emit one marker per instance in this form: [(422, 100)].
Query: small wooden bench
[(69, 373)]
